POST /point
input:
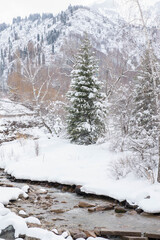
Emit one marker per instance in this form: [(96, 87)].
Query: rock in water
[(8, 233), (120, 210), (85, 205)]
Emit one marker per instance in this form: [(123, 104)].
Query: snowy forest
[(80, 123)]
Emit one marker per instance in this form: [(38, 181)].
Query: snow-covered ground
[(8, 108), (57, 160)]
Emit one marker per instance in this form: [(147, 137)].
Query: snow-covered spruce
[(86, 118), (144, 123)]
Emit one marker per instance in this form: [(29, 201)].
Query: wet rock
[(2, 184), (45, 207), (131, 206), (76, 206), (71, 190), (48, 196), (78, 189), (65, 188), (9, 185), (91, 209), (8, 233), (105, 208), (38, 198), (90, 234), (97, 231), (119, 209), (85, 205), (58, 210), (138, 210), (22, 236), (77, 234)]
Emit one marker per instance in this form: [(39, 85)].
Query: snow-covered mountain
[(53, 41), (107, 8), (154, 14), (128, 10)]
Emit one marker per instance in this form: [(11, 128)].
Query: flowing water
[(70, 216)]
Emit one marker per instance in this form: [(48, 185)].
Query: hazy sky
[(14, 8)]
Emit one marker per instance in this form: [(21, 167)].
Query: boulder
[(77, 234), (78, 189), (131, 206), (138, 210), (85, 205), (8, 233), (119, 209), (92, 209), (90, 234)]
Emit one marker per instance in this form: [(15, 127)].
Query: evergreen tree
[(144, 124), (144, 112), (86, 119)]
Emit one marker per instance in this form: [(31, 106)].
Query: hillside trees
[(155, 74), (144, 122), (141, 107), (86, 118)]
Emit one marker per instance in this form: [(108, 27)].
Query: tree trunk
[(158, 176)]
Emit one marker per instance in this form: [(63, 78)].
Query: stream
[(59, 210)]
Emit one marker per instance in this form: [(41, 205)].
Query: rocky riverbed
[(82, 216)]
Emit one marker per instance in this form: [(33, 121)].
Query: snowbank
[(10, 193), (8, 108), (60, 161)]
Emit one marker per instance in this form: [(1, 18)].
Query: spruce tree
[(86, 118), (144, 124), (144, 112)]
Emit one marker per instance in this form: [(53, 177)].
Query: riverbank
[(58, 161), (44, 207)]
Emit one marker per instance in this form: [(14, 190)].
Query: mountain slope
[(53, 41)]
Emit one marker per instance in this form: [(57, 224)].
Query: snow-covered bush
[(133, 163), (55, 117)]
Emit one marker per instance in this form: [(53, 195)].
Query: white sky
[(14, 8)]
